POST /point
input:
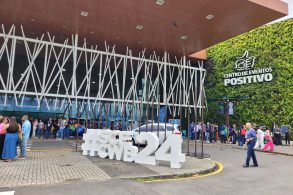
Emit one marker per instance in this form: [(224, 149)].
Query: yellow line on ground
[(220, 169)]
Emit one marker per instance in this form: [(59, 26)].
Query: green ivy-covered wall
[(272, 46)]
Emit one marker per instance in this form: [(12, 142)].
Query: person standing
[(194, 131), (48, 128), (216, 133), (230, 134), (26, 128), (119, 127), (199, 131), (66, 129), (191, 131), (223, 134), (62, 124), (35, 128), (212, 136), (203, 131), (269, 140), (234, 134), (251, 140), (260, 139), (241, 136), (207, 133), (287, 135), (41, 129), (11, 139), (55, 128), (277, 136), (3, 127)]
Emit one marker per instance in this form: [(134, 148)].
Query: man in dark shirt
[(251, 140)]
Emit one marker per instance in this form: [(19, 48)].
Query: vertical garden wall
[(268, 102)]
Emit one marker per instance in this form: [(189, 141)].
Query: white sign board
[(246, 74), (118, 145)]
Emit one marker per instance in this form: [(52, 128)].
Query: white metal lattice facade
[(83, 76)]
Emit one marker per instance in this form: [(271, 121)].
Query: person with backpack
[(223, 134)]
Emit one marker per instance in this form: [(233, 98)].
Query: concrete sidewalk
[(126, 170), (55, 161), (51, 144), (48, 168)]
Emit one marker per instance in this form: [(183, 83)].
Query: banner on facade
[(221, 107), (231, 108)]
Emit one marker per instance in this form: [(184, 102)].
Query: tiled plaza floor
[(49, 168)]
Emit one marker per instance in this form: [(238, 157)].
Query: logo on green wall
[(245, 72), (245, 62)]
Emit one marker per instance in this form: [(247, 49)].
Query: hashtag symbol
[(90, 145)]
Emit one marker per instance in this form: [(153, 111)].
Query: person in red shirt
[(241, 136)]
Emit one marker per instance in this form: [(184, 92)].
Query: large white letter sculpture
[(118, 145)]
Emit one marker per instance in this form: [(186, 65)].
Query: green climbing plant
[(272, 46)]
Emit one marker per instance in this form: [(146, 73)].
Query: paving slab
[(55, 162), (49, 168), (126, 170), (283, 149), (43, 144)]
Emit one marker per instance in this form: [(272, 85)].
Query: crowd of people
[(13, 134), (62, 128), (211, 133)]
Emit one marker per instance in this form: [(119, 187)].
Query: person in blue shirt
[(26, 128), (191, 131), (250, 140)]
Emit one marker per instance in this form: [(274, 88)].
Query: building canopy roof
[(178, 27)]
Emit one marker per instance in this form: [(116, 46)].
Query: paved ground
[(48, 168), (120, 169), (106, 187), (284, 149), (58, 164), (53, 161), (42, 144), (274, 176)]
